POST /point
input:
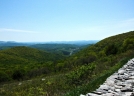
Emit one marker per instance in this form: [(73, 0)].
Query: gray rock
[(92, 94), (120, 83), (128, 93), (82, 95), (132, 77), (110, 82), (104, 87), (118, 90), (121, 71), (126, 90), (108, 94)]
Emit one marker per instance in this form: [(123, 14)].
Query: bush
[(86, 59), (111, 49), (128, 44), (77, 77), (4, 77), (18, 74)]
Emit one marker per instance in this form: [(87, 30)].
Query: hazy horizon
[(64, 20), (52, 41)]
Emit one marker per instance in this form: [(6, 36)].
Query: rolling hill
[(27, 59), (79, 73), (29, 53)]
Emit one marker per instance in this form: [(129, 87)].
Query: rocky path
[(120, 83)]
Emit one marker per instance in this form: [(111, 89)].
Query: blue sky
[(64, 20)]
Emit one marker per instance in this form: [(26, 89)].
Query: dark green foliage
[(111, 49), (66, 52), (89, 58), (18, 74), (4, 77), (128, 44)]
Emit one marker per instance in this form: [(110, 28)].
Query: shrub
[(78, 76), (18, 74), (4, 77), (111, 49), (128, 44)]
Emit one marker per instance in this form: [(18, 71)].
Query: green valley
[(49, 70)]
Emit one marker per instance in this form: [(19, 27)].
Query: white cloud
[(15, 30)]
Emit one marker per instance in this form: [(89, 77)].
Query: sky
[(64, 20)]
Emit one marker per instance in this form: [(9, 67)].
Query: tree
[(18, 74), (111, 49), (128, 44)]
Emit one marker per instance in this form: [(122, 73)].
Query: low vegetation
[(31, 72)]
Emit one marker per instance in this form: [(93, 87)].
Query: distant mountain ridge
[(13, 43), (64, 47)]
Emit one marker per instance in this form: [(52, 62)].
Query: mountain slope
[(94, 64), (84, 71), (30, 61), (28, 53), (32, 54), (113, 45)]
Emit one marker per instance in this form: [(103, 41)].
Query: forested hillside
[(25, 62), (95, 63), (77, 74)]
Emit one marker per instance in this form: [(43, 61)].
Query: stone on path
[(118, 84)]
